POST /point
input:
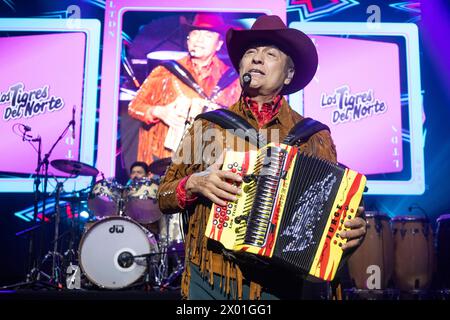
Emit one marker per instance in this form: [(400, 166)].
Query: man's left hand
[(357, 231)]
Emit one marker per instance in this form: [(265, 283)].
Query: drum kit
[(126, 238)]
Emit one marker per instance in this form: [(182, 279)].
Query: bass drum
[(107, 250)]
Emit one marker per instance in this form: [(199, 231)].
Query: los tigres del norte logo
[(352, 106), (27, 104)]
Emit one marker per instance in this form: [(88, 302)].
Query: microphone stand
[(54, 278), (34, 276), (32, 259)]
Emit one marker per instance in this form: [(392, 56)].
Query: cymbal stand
[(54, 279), (121, 203), (166, 253), (32, 259), (34, 276), (70, 253), (56, 276)]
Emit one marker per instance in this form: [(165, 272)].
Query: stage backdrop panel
[(367, 90), (49, 73), (356, 91), (44, 83)]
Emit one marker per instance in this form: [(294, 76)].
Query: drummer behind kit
[(127, 237)]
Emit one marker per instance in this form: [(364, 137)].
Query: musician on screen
[(280, 61), (179, 90)]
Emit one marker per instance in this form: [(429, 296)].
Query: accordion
[(291, 209)]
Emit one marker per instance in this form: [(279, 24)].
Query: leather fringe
[(255, 291)]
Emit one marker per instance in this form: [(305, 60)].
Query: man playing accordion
[(279, 61)]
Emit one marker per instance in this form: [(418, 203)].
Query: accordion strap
[(231, 121), (303, 130), (186, 77)]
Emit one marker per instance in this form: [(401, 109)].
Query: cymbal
[(159, 166), (74, 167)]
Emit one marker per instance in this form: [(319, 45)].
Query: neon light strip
[(327, 10)]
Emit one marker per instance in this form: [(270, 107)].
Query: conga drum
[(443, 250), (371, 266), (413, 253)]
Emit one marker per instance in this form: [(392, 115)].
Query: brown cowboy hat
[(271, 30), (207, 21)]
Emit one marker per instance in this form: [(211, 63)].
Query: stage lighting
[(84, 214)]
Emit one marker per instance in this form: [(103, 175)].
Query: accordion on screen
[(292, 208)]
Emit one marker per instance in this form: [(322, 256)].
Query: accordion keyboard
[(268, 169)]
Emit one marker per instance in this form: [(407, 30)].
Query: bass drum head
[(106, 251)]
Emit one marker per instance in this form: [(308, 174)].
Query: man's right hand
[(214, 184), (173, 114)]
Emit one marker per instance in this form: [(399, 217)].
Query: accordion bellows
[(291, 211)]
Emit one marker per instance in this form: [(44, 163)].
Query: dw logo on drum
[(117, 228)]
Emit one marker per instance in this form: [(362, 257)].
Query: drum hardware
[(443, 294), (376, 294), (136, 205), (172, 245), (416, 294), (35, 248), (74, 168), (159, 166), (173, 276), (78, 203), (378, 225), (442, 244), (152, 276), (159, 268), (56, 276), (59, 261)]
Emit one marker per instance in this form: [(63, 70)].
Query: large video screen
[(139, 35), (367, 90), (44, 83), (48, 78)]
